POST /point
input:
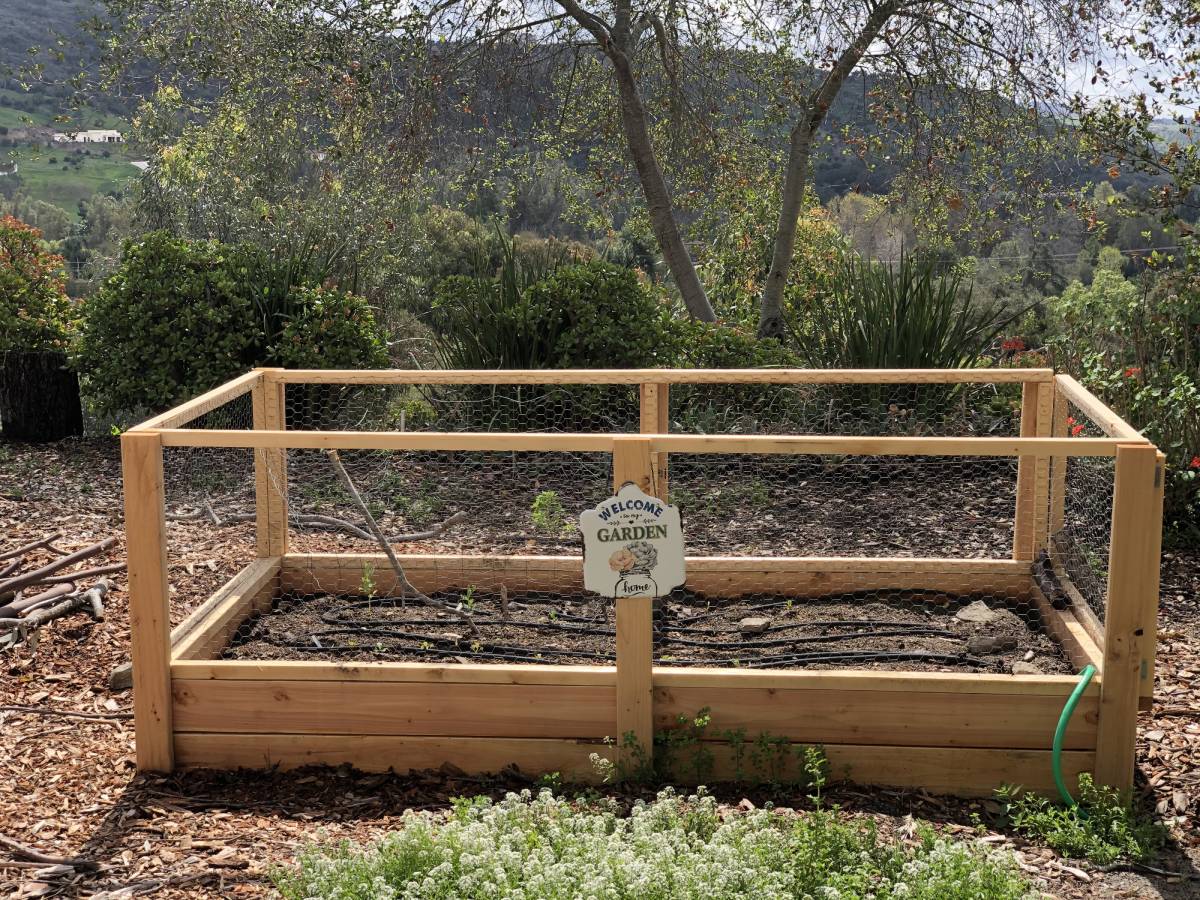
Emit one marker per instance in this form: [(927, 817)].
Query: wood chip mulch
[(68, 786)]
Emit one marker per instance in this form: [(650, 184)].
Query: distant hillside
[(27, 25)]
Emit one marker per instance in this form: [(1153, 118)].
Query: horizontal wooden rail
[(1096, 410), (206, 402), (664, 376), (671, 443)]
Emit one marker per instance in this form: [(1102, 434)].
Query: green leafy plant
[(171, 322), (548, 514), (1137, 346), (329, 329), (1103, 827)]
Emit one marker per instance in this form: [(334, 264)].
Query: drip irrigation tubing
[(400, 642)]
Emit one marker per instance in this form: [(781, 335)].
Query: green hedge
[(180, 316)]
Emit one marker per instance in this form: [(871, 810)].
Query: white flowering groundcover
[(528, 847)]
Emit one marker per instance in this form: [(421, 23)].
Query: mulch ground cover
[(68, 786)]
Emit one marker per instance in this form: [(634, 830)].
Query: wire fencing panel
[(210, 509), (454, 504), (1080, 534)]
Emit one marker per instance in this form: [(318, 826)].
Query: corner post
[(1131, 608), (270, 466), (635, 628), (149, 597), (655, 419)]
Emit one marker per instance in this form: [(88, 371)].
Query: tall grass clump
[(911, 316), (673, 848)]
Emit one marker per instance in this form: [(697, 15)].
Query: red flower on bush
[(1076, 429), (1133, 372), (1195, 463), (1012, 345)]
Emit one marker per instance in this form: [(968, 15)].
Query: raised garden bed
[(936, 706)]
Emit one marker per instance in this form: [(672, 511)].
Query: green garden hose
[(1085, 678)]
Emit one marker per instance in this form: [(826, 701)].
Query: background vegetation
[(494, 213)]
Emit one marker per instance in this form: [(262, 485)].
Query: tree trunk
[(770, 318), (39, 397), (770, 315), (654, 186)]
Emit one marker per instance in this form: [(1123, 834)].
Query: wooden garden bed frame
[(955, 733)]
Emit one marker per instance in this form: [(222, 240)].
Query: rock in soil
[(754, 625), (978, 612), (1020, 667), (982, 645)]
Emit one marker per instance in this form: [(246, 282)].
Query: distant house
[(95, 136)]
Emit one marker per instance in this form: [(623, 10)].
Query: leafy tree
[(35, 312)]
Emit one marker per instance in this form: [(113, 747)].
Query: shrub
[(600, 316), (673, 848), (35, 312), (1104, 827), (329, 329), (593, 315), (1138, 347), (178, 317), (171, 322), (910, 316)]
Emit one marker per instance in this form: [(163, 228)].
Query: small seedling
[(367, 583), (549, 515)]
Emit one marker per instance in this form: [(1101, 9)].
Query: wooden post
[(149, 615), (656, 419), (1023, 521), (1131, 609), (1150, 609), (270, 467), (635, 627), (1043, 427)]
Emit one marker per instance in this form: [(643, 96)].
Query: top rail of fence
[(552, 442), (1096, 410), (181, 415), (663, 376)]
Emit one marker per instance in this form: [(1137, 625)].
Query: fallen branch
[(11, 567), (41, 542), (64, 713), (84, 574), (28, 853), (12, 585), (91, 600), (27, 605), (406, 586)]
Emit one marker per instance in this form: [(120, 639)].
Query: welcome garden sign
[(632, 546)]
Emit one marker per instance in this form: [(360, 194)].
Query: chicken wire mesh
[(1081, 522), (209, 504), (449, 504)]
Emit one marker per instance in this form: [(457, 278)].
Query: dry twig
[(20, 850), (406, 587)]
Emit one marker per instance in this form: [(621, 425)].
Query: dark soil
[(884, 630)]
